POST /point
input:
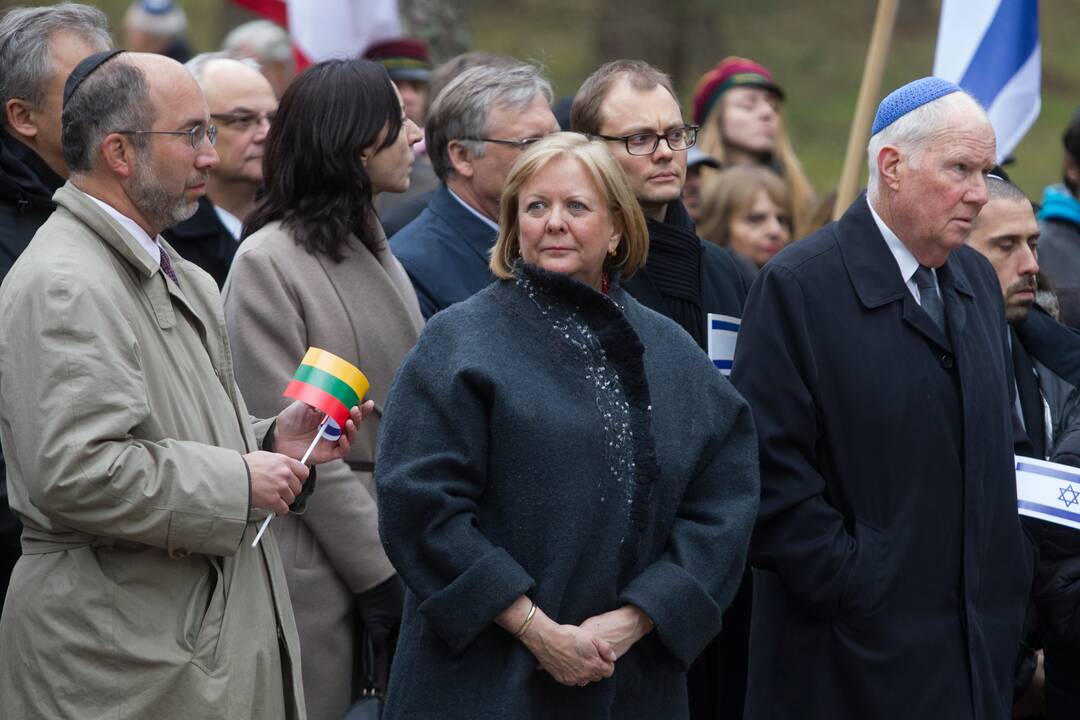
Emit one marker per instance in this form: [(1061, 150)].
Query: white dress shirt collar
[(487, 221), (151, 246), (904, 259), (232, 223)]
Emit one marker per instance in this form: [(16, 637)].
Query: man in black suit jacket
[(891, 572), (242, 105), (476, 129)]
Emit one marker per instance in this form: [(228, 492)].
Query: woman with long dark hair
[(315, 269)]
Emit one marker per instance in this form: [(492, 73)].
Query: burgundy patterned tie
[(166, 265)]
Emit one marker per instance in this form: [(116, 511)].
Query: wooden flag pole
[(866, 105), (303, 461)]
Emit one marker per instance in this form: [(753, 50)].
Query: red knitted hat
[(404, 58), (730, 72)]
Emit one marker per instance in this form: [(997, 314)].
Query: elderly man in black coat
[(891, 571)]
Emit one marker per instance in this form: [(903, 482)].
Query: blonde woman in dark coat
[(315, 270), (567, 483)]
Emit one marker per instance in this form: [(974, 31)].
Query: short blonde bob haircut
[(625, 212)]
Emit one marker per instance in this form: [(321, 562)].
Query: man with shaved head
[(242, 106), (137, 473)]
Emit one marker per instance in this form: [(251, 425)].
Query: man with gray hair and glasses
[(38, 49), (135, 468), (891, 574), (476, 129), (242, 106)]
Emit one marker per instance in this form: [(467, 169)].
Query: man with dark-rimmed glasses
[(242, 105), (476, 129), (631, 106)]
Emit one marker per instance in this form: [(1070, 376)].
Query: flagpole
[(864, 108), (303, 461)]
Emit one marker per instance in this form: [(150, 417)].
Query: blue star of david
[(1069, 496)]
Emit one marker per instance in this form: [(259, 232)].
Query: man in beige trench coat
[(133, 464)]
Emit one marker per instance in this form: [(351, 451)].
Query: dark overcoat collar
[(876, 277)]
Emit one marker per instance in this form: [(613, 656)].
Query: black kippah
[(84, 69)]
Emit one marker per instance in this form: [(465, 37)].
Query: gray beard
[(161, 209)]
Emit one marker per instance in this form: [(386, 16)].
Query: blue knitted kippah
[(157, 7), (903, 100)]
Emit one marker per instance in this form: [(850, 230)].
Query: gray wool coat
[(545, 439), (280, 300)]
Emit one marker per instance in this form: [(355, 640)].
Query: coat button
[(947, 361), (179, 554)]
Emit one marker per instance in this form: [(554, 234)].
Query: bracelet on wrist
[(528, 621)]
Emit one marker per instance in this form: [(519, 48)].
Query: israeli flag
[(331, 431), (1048, 491), (723, 334), (991, 49)]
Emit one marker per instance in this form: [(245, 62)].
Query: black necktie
[(929, 297)]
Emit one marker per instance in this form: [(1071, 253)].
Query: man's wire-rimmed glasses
[(195, 135), (519, 144), (646, 143), (241, 121)]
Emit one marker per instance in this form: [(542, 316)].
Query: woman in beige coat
[(315, 270)]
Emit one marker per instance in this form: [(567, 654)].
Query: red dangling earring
[(604, 283)]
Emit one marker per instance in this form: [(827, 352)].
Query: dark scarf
[(24, 177), (595, 324), (674, 269)]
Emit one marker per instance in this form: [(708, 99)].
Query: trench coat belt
[(361, 466), (34, 543)]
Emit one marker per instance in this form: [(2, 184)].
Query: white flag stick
[(303, 461)]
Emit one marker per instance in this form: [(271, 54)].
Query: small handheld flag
[(327, 383)]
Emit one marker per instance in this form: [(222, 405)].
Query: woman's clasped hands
[(577, 654)]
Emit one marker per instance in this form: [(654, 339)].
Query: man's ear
[(460, 159), (889, 162), (20, 118), (118, 154)]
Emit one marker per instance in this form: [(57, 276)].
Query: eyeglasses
[(646, 143), (241, 121), (519, 144), (195, 135)]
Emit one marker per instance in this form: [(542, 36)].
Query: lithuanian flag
[(328, 383)]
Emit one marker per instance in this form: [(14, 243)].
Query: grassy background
[(815, 48)]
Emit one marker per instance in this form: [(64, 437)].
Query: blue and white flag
[(1048, 491), (991, 49), (723, 333)]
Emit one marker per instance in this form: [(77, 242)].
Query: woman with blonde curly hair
[(740, 110)]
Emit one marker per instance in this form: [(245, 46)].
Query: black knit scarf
[(674, 269)]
